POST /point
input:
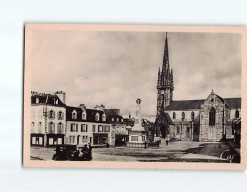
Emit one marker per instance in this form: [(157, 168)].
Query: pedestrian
[(167, 141)]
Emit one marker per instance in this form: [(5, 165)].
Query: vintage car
[(72, 153)]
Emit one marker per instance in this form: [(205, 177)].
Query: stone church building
[(209, 119)]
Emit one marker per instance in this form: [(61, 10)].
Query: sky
[(116, 68)]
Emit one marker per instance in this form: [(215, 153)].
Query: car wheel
[(55, 157)]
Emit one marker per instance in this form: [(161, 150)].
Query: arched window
[(60, 115), (174, 115), (104, 117), (51, 114), (84, 116), (178, 130), (32, 127), (183, 115), (237, 114), (74, 114), (192, 115), (40, 127), (212, 116), (51, 127), (97, 116), (60, 127)]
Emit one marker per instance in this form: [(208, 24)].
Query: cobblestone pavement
[(179, 151)]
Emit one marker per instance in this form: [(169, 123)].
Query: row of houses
[(53, 122)]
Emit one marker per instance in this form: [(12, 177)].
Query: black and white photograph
[(157, 97)]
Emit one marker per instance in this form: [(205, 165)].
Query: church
[(211, 119)]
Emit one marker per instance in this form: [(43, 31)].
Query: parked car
[(72, 153)]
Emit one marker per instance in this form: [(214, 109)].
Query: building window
[(212, 116), (40, 114), (40, 127), (174, 115), (33, 114), (107, 128), (117, 119), (51, 114), (143, 138), (192, 115), (60, 115), (60, 127), (97, 116), (237, 114), (121, 119), (112, 119), (74, 128), (33, 127), (183, 115), (71, 139), (83, 128), (100, 128), (93, 128), (84, 116), (51, 127), (74, 114), (104, 117), (134, 138), (37, 100), (178, 130)]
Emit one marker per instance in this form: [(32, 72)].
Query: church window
[(174, 115), (212, 116), (237, 114), (183, 115), (192, 115)]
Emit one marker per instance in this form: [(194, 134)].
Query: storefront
[(37, 140), (100, 138), (55, 139)]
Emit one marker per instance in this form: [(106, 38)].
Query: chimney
[(61, 95), (102, 107), (82, 106)]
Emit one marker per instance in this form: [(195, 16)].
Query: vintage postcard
[(135, 96)]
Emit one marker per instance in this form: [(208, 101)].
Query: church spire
[(165, 67)]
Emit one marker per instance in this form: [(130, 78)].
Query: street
[(179, 151)]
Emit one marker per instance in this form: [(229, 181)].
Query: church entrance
[(163, 130), (196, 134), (187, 134)]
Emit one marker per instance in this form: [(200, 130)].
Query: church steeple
[(165, 67), (165, 82)]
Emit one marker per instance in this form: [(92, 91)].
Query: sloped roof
[(90, 115), (111, 112), (233, 102), (185, 104), (196, 104), (47, 99), (163, 118)]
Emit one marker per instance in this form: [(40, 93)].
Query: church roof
[(196, 104), (184, 105), (234, 102)]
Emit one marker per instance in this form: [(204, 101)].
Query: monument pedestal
[(138, 136)]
